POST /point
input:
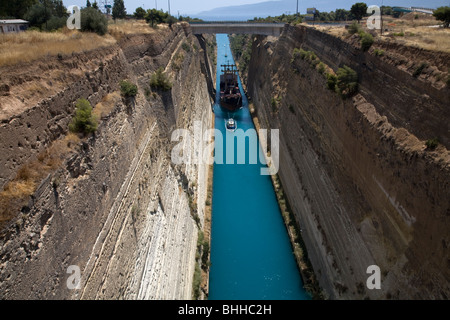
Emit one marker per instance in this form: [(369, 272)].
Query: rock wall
[(121, 211), (362, 186)]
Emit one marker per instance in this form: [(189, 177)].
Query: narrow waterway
[(251, 256)]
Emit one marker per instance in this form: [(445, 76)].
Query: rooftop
[(13, 21)]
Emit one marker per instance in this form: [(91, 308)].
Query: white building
[(13, 25)]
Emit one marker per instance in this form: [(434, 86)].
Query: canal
[(251, 255)]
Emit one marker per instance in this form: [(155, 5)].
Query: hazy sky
[(195, 6), (184, 6)]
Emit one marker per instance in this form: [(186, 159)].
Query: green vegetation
[(366, 41), (274, 104), (47, 15), (321, 67), (418, 71), (347, 82), (196, 282), (292, 19), (306, 55), (359, 10), (354, 28), (378, 52), (128, 89), (139, 13), (432, 143), (186, 47), (159, 80), (202, 262), (118, 10), (443, 14), (399, 34), (84, 121), (155, 17), (331, 81), (93, 20)]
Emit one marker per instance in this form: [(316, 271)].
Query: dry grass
[(123, 27), (32, 45), (17, 192), (414, 32), (435, 39), (104, 107)]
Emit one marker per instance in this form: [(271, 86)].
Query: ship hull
[(231, 104)]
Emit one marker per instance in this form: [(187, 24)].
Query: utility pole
[(156, 4), (168, 1), (296, 12), (381, 18)]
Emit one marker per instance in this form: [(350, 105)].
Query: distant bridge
[(238, 27), (413, 9)]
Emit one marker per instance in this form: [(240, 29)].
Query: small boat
[(226, 55), (231, 124)]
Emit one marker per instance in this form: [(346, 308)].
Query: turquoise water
[(251, 256)]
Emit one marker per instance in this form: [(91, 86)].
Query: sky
[(191, 7)]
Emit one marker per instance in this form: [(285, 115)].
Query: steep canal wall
[(356, 172), (116, 207)]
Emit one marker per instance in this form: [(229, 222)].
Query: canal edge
[(310, 282)]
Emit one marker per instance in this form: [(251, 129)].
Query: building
[(13, 25)]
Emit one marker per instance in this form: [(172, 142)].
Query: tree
[(347, 81), (93, 20), (154, 17), (47, 14), (139, 13), (118, 10), (84, 121), (342, 14), (387, 11), (88, 4), (170, 20), (359, 10), (95, 5), (443, 14), (15, 9)]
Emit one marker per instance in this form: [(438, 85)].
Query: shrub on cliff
[(128, 89), (354, 28), (366, 40), (94, 21), (159, 80), (432, 143), (83, 121), (331, 81), (347, 82)]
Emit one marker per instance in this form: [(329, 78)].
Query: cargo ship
[(230, 95)]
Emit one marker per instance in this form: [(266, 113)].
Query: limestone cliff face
[(121, 210), (363, 188)]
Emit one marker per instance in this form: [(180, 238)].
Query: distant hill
[(276, 8)]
